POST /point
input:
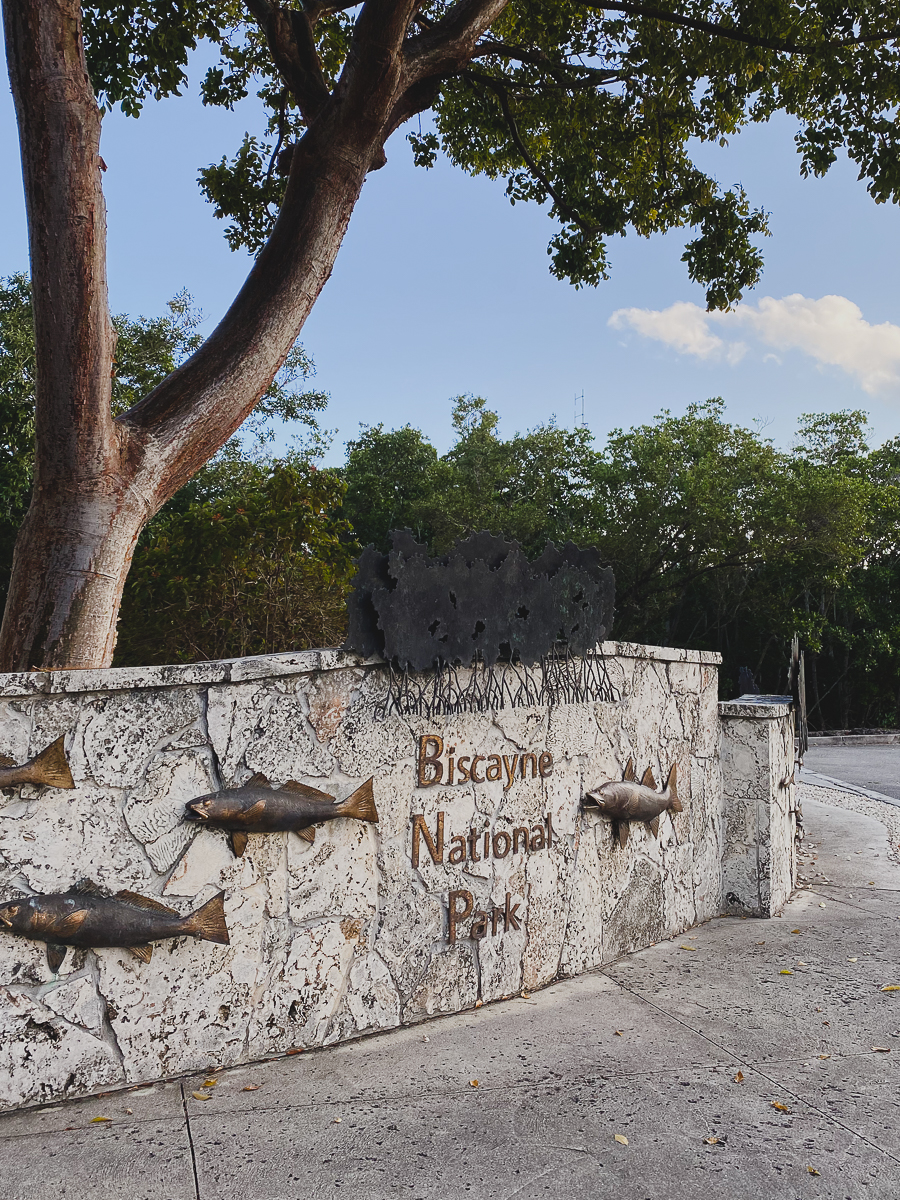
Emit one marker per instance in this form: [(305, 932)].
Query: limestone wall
[(760, 804), (344, 936)]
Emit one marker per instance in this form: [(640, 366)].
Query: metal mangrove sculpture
[(85, 916), (50, 768), (627, 800), (483, 606), (257, 807)]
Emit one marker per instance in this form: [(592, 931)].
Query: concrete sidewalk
[(748, 1058)]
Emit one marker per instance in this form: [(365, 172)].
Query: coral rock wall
[(344, 936)]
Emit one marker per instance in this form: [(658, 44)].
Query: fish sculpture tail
[(208, 922), (51, 767), (361, 804), (672, 786)]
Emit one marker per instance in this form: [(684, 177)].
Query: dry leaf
[(785, 972), (201, 1095), (780, 1107), (821, 906), (760, 943), (251, 1087), (881, 1049), (824, 1056), (813, 1171), (739, 1078), (801, 963), (687, 947), (525, 995), (129, 1112), (621, 1139), (473, 1083), (294, 1050), (337, 1120), (871, 883), (711, 1141), (94, 1120), (618, 1033), (795, 931), (479, 1003), (891, 987), (210, 1082), (852, 960)]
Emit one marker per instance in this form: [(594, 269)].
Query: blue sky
[(441, 287)]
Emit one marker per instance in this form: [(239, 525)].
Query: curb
[(816, 780)]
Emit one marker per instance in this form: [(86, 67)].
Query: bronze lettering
[(450, 769), (479, 924), (538, 841), (473, 853), (524, 832), (549, 830), (504, 840), (545, 765), (453, 916), (496, 914), (463, 771), (433, 760), (458, 849), (495, 767), (509, 915), (475, 761), (534, 766), (510, 771), (486, 852), (436, 850)]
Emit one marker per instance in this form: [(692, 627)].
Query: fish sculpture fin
[(257, 780), (361, 804), (308, 834), (303, 789), (145, 902), (654, 825), (6, 761), (238, 843), (672, 785), (85, 887), (208, 922), (629, 771), (623, 834), (254, 812), (647, 779), (71, 923), (51, 767), (55, 956), (144, 953)]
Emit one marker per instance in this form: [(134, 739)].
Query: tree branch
[(448, 44), (732, 33), (289, 36), (564, 207), (536, 58)]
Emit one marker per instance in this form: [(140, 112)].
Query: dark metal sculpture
[(483, 602), (528, 630), (84, 916), (50, 768), (627, 800), (256, 807)]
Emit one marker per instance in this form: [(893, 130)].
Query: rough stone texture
[(761, 808), (345, 937)]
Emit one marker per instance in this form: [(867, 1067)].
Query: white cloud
[(832, 331)]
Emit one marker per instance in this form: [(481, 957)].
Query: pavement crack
[(190, 1136)]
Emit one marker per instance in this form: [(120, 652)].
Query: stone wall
[(344, 936), (760, 802)]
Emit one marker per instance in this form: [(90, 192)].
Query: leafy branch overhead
[(593, 110)]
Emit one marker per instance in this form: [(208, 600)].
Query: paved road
[(875, 767), (651, 1048)]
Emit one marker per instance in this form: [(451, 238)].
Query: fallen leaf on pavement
[(821, 906), (479, 1004), (621, 1139), (852, 960), (473, 1083), (891, 987), (129, 1112), (294, 1050), (779, 1106), (785, 972), (201, 1095), (618, 1033), (795, 931), (687, 947), (525, 995), (337, 1120), (739, 1078), (813, 1171), (94, 1120), (711, 1141), (824, 1056), (251, 1087), (210, 1082), (881, 1049)]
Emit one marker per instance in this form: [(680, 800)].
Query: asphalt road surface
[(875, 767)]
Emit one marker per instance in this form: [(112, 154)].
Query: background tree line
[(718, 539)]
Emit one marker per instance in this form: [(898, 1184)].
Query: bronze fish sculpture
[(84, 916), (50, 768), (255, 807), (627, 800)]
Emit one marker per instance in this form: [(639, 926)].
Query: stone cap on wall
[(758, 708), (263, 666)]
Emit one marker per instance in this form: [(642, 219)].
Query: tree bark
[(98, 480)]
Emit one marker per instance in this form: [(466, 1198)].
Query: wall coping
[(757, 708), (263, 666)]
